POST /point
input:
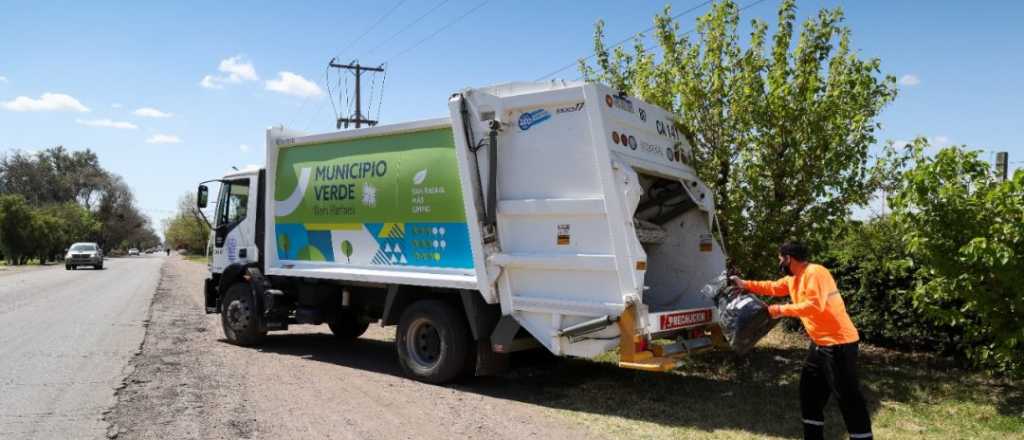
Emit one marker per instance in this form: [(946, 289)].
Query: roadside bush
[(965, 243), (875, 274)]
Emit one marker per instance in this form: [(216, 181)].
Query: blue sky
[(179, 92)]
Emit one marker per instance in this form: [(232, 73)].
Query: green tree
[(76, 224), (187, 229), (16, 231), (779, 131), (965, 237)]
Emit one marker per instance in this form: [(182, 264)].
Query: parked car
[(133, 251), (83, 254)]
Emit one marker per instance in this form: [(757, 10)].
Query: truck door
[(235, 224)]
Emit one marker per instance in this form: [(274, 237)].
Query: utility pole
[(358, 71), (1002, 162)]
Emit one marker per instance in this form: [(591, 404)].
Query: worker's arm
[(817, 288), (779, 287)]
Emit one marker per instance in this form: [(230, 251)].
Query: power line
[(368, 30), (624, 40), (438, 31), (352, 43), (380, 98), (407, 26)]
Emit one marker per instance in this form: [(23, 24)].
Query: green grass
[(717, 395)]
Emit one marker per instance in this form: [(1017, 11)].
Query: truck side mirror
[(202, 196)]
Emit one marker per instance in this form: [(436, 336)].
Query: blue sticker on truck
[(530, 119)]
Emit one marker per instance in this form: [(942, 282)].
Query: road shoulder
[(186, 382)]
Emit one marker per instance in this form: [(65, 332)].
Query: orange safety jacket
[(816, 301)]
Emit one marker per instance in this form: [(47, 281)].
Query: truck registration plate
[(690, 318)]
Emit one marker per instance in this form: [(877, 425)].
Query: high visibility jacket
[(816, 301)]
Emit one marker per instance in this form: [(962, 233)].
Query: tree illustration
[(282, 240), (346, 248)]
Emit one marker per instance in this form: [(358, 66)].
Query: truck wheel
[(239, 316), (98, 266), (348, 325), (432, 342), (67, 267)]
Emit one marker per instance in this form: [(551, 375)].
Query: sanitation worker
[(831, 365)]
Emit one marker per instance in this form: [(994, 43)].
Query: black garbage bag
[(743, 316)]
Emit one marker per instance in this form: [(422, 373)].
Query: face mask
[(784, 267)]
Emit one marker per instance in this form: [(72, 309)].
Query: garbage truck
[(558, 215)]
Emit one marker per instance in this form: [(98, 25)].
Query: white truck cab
[(233, 240)]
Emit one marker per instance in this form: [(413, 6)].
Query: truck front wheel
[(239, 316), (432, 341), (348, 325)]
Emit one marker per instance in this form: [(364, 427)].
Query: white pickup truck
[(560, 215)]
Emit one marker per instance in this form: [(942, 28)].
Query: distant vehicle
[(149, 251), (133, 251), (83, 254)]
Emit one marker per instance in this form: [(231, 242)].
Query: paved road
[(65, 339)]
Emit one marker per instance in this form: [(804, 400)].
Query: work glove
[(738, 282)]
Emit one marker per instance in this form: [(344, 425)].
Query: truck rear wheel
[(433, 341), (239, 316), (348, 325)]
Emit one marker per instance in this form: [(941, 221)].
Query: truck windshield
[(233, 203), (83, 247)]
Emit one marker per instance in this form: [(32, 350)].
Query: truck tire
[(348, 325), (240, 318), (98, 266), (432, 341)]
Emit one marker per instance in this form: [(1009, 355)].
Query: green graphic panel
[(407, 177)]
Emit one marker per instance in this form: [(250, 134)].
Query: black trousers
[(827, 371)]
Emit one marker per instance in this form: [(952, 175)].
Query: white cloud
[(244, 148), (163, 139), (235, 70), (116, 105), (150, 112), (910, 80), (107, 123), (292, 84), (46, 102), (238, 69), (3, 79), (210, 82)]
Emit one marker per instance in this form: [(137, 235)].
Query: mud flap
[(489, 363), (211, 295)]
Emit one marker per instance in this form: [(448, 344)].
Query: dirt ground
[(186, 382)]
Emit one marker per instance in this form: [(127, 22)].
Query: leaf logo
[(346, 248), (419, 177)]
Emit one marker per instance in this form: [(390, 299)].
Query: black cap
[(794, 249)]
